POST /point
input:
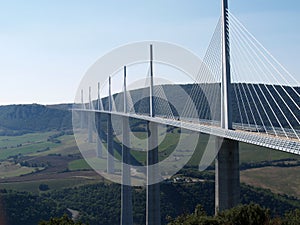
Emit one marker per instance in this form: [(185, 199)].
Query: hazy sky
[(47, 46)]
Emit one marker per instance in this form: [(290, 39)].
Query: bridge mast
[(153, 189), (90, 131), (227, 186), (98, 124), (82, 113), (226, 111), (98, 99), (110, 150)]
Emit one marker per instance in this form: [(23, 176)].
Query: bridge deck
[(257, 138)]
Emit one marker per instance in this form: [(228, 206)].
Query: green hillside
[(20, 119)]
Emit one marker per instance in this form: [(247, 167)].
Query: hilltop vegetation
[(251, 214), (64, 220), (21, 119)]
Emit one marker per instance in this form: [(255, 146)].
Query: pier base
[(227, 186), (126, 189), (99, 140), (110, 149), (153, 189)]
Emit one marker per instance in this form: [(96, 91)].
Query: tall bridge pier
[(227, 174), (126, 189), (227, 185), (98, 128), (153, 189)]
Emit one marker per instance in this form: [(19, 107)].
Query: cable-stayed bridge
[(240, 93)]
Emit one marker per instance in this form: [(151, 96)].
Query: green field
[(13, 141), (66, 147), (26, 149), (79, 164), (25, 144)]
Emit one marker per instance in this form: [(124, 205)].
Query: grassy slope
[(277, 179), (252, 153), (9, 169)]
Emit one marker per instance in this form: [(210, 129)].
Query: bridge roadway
[(290, 145)]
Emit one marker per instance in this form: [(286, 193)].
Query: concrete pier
[(153, 189), (126, 189), (110, 149), (99, 142), (227, 177), (90, 128)]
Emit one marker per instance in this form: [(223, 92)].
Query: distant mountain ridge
[(20, 119)]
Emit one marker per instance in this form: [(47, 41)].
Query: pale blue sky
[(47, 46)]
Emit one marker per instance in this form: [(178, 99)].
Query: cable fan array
[(264, 97)]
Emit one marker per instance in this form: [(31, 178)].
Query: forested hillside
[(100, 203), (20, 119)]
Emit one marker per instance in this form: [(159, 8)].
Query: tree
[(44, 187), (292, 218), (64, 220), (251, 214)]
